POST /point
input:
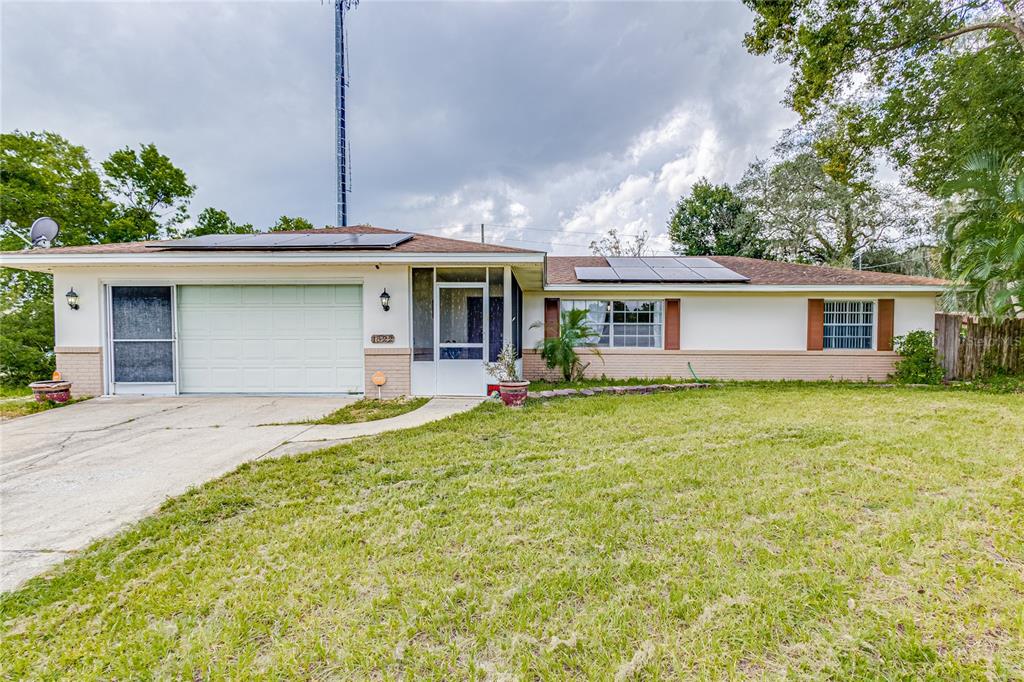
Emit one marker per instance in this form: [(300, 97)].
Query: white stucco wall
[(737, 321), (85, 327)]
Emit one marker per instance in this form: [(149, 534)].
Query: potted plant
[(511, 386), (560, 351)]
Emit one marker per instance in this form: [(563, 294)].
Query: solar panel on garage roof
[(659, 269), (271, 241), (595, 274)]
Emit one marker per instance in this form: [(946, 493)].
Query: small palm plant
[(985, 234), (560, 351)]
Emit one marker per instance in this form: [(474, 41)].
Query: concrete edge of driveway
[(320, 436)]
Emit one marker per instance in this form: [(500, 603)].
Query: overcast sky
[(550, 122)]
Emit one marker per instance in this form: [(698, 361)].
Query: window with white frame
[(622, 324), (849, 325)]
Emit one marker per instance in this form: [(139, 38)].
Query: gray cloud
[(557, 119)]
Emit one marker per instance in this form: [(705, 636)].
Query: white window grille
[(849, 325), (623, 324)]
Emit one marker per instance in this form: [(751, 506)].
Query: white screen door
[(461, 331), (142, 339)]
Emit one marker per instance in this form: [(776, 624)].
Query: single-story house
[(331, 310)]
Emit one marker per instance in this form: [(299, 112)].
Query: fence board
[(970, 346)]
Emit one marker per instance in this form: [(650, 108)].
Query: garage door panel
[(318, 350), (266, 339), (318, 295), (224, 321), (287, 323), (224, 295), (257, 350), (255, 295), (352, 296), (287, 295)]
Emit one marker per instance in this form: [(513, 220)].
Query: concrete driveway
[(71, 475)]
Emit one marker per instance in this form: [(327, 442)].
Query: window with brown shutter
[(815, 323), (551, 316), (886, 315), (671, 324)]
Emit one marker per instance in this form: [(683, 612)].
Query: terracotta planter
[(513, 393), (53, 391)]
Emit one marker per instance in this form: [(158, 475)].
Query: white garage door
[(270, 339)]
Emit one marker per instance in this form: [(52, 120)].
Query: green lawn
[(743, 531), (368, 410), (18, 402)]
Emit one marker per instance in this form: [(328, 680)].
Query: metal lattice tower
[(340, 84)]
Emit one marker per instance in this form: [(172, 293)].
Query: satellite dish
[(44, 231)]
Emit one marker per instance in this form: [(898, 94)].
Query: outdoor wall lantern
[(385, 300), (72, 297)]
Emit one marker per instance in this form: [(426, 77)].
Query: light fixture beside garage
[(385, 300), (72, 297)]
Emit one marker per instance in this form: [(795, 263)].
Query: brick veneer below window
[(83, 367)]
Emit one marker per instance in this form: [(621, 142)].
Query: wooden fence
[(969, 346)]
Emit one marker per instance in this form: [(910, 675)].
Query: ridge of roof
[(561, 270)]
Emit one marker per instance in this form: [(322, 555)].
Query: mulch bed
[(617, 390)]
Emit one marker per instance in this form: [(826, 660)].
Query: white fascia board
[(276, 258), (753, 288)]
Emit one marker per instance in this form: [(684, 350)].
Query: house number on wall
[(382, 338)]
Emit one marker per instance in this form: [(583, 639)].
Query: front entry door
[(461, 324)]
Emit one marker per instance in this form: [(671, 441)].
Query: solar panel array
[(284, 240), (659, 269)]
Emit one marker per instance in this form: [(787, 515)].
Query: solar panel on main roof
[(678, 275), (636, 274), (720, 274), (697, 262), (271, 241)]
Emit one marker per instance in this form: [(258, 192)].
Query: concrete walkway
[(71, 475)]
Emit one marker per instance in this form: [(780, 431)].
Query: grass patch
[(804, 531), (605, 381), (8, 391), (368, 410), (995, 383), (23, 405)]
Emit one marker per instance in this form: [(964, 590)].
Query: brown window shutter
[(886, 310), (551, 316), (815, 323), (671, 324)]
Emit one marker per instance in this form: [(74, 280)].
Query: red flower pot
[(53, 391), (513, 393)]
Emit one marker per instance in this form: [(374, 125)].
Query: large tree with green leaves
[(713, 220), (809, 216), (41, 174), (289, 224), (151, 192), (926, 82), (215, 221), (984, 250), (139, 195)]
